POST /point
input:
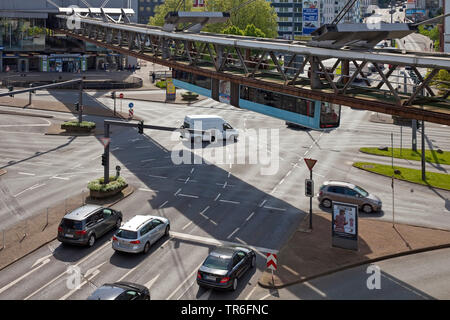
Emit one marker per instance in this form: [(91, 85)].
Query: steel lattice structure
[(256, 62)]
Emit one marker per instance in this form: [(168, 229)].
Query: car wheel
[(118, 223), (213, 138), (235, 283), (253, 261), (326, 203), (166, 233), (91, 240), (367, 208), (146, 248)]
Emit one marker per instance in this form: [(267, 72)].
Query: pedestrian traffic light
[(309, 188), (113, 95), (11, 88), (141, 127), (104, 160), (77, 106)]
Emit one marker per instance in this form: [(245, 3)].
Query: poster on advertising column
[(344, 225), (224, 91), (310, 13)]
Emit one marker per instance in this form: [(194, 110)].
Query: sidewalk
[(308, 255)]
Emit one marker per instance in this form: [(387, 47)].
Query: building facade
[(146, 9), (27, 45)]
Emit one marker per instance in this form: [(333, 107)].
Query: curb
[(53, 239), (356, 264), (25, 114), (419, 184)]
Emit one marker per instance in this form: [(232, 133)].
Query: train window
[(329, 115)]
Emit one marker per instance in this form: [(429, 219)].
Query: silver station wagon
[(139, 233)]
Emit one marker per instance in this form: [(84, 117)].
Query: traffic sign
[(310, 163), (131, 105), (121, 96), (271, 261), (105, 141)]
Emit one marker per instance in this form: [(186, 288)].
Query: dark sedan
[(121, 291), (224, 266)]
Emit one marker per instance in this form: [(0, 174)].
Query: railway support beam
[(315, 78)]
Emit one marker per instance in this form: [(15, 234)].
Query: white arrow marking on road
[(92, 272), (62, 274), (151, 282), (43, 261)]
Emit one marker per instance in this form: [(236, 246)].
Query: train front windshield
[(330, 115)]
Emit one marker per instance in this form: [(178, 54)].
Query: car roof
[(339, 183), (106, 292), (82, 212), (136, 222), (224, 252)]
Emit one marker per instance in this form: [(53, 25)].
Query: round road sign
[(121, 96), (131, 105)]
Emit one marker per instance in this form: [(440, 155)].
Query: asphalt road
[(256, 204), (422, 276)]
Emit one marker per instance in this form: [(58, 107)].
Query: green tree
[(258, 13), (233, 30), (162, 10), (252, 31)]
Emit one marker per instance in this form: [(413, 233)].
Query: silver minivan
[(139, 233)]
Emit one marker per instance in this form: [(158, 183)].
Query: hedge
[(114, 184)]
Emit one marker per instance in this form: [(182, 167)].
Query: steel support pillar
[(315, 77), (234, 94), (215, 89)]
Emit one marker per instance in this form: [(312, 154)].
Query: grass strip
[(431, 156)]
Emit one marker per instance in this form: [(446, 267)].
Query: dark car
[(87, 223), (224, 266), (121, 291)]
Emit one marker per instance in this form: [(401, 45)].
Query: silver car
[(139, 233)]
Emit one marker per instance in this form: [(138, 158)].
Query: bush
[(83, 124), (161, 84), (114, 184)]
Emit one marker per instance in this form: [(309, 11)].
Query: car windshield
[(361, 191), (72, 224), (126, 234), (215, 262)]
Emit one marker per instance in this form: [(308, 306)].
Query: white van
[(213, 127)]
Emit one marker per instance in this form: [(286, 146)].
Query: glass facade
[(22, 34)]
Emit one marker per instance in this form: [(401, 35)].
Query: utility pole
[(423, 151), (106, 157), (80, 102)]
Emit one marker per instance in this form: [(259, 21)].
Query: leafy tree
[(252, 31), (233, 30)]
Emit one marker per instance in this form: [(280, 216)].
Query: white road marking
[(187, 225), (163, 204), (262, 203), (225, 184), (229, 174), (185, 280), (265, 297), (250, 216), (273, 208), (287, 174), (188, 195), (204, 210), (147, 190), (217, 197), (192, 170), (229, 201), (62, 274), (309, 285), (148, 160), (96, 157), (251, 292), (30, 188), (282, 180), (161, 177), (216, 242), (231, 234), (178, 191), (42, 261), (27, 174), (92, 272), (187, 180), (151, 282), (60, 178)]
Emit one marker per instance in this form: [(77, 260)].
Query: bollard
[(3, 241)]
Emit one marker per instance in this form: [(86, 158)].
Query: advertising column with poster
[(224, 91), (344, 226), (310, 13), (171, 93)]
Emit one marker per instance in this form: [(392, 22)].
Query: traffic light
[(309, 188), (11, 88), (113, 95), (77, 106), (104, 160), (141, 127)]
